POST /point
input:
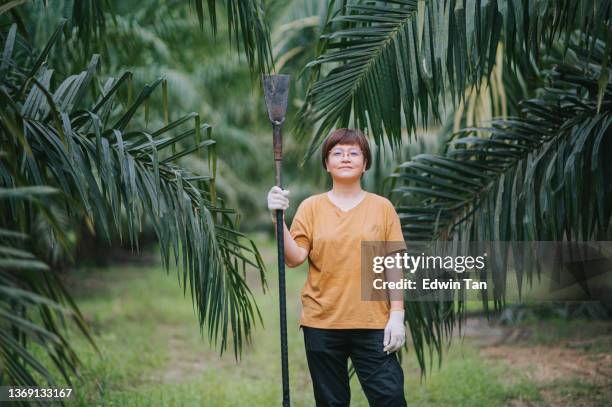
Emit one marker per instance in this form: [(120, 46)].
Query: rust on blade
[(276, 93)]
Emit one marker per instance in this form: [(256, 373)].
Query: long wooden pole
[(276, 90)]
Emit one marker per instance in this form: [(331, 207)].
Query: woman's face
[(346, 162)]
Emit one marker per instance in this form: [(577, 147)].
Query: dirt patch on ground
[(545, 364), (564, 371), (183, 363), (186, 359)]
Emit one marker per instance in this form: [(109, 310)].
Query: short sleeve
[(301, 227), (393, 233)]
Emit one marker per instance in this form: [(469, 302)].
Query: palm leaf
[(29, 288), (245, 18), (86, 147), (388, 65), (539, 176)]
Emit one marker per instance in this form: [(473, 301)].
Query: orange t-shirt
[(331, 297)]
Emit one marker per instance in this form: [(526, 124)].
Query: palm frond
[(79, 138), (34, 306), (247, 21), (539, 176), (248, 27), (387, 65)]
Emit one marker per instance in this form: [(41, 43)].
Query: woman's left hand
[(395, 332)]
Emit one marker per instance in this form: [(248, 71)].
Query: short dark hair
[(350, 137)]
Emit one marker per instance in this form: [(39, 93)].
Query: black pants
[(380, 375)]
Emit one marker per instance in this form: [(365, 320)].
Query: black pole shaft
[(280, 244)]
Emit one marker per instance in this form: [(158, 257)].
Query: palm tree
[(537, 176), (71, 148), (407, 64)]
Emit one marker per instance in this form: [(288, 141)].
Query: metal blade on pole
[(276, 92)]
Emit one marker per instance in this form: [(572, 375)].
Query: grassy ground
[(152, 353)]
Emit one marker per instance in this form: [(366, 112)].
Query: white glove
[(277, 200), (395, 332)]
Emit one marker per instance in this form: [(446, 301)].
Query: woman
[(328, 229)]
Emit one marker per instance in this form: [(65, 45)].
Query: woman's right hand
[(277, 200)]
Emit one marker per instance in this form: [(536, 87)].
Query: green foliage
[(388, 65), (538, 176), (33, 303), (246, 21), (76, 139)]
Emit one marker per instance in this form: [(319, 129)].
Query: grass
[(152, 352), (574, 392)]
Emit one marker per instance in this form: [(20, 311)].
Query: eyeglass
[(339, 152)]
